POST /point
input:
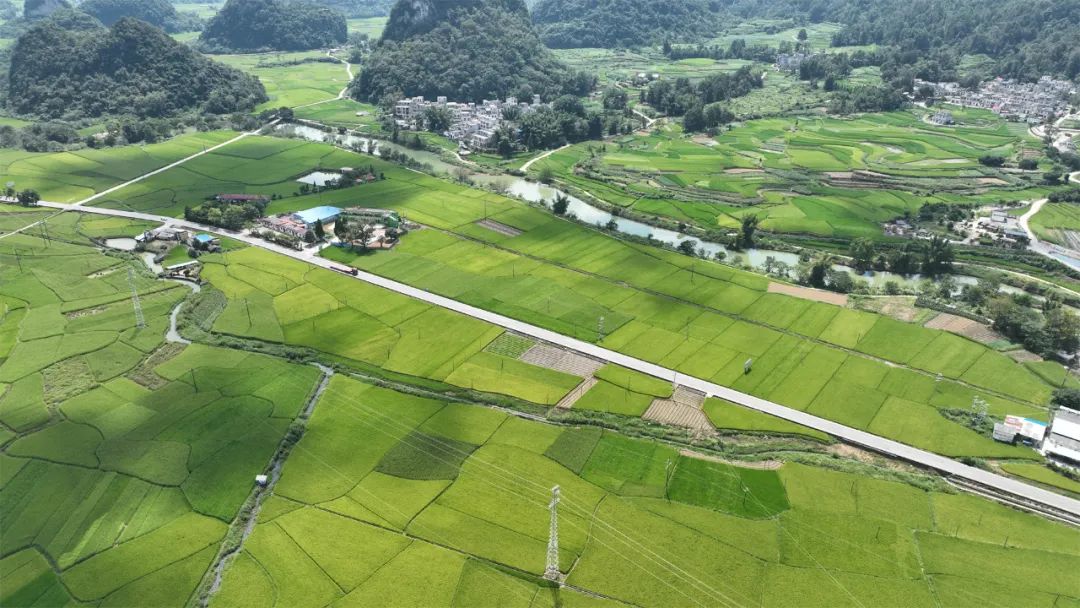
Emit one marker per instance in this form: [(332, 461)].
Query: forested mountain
[(74, 70), (623, 23), (358, 9), (1027, 38), (262, 25), (37, 9), (468, 50), (155, 12)]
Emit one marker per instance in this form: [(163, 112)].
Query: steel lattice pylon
[(552, 571)]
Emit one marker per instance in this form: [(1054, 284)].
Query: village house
[(1032, 102), (472, 125)]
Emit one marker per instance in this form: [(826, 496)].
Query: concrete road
[(851, 435)]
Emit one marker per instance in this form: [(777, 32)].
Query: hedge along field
[(292, 79), (449, 503), (277, 299), (699, 317), (121, 458), (71, 176), (751, 169)]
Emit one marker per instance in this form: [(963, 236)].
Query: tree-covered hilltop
[(568, 24), (360, 9), (468, 50), (155, 12), (1025, 38), (272, 25), (131, 68), (39, 9)]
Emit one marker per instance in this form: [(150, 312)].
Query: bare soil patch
[(808, 293)]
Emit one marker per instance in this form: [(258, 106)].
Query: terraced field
[(826, 176), (698, 317), (449, 503)]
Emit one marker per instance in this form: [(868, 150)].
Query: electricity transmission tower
[(139, 320), (552, 571)]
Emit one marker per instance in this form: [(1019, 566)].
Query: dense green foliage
[(155, 12), (262, 25), (680, 96), (622, 23), (1026, 39), (131, 68), (468, 50)]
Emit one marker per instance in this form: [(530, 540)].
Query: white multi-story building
[(472, 125)]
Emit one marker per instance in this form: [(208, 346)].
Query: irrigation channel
[(535, 192)]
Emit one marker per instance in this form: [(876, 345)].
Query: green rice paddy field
[(1054, 220), (797, 174), (449, 505), (292, 85), (124, 459), (71, 176), (701, 318)]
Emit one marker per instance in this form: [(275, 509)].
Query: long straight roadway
[(851, 435)]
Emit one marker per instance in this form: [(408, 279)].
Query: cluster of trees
[(1072, 195), (697, 100), (1026, 39), (623, 23), (155, 12), (931, 257), (738, 49), (75, 68), (866, 98), (26, 198), (263, 25), (467, 50), (231, 216), (1053, 330)]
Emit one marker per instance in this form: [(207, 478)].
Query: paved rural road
[(1065, 256), (846, 433)]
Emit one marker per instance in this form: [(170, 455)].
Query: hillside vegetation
[(266, 25), (468, 50), (622, 23), (1026, 39), (131, 68), (155, 12)]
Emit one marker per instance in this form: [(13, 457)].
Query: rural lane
[(1060, 254), (851, 435)]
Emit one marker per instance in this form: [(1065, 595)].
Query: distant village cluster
[(472, 125), (790, 62), (1023, 101)]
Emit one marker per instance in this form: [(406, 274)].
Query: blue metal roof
[(310, 216), (204, 238)]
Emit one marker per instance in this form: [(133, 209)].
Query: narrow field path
[(344, 91), (851, 435), (259, 494), (542, 156)]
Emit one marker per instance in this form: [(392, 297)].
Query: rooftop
[(204, 238), (323, 213)]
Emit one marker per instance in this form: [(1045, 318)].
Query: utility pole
[(140, 322), (552, 573)]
